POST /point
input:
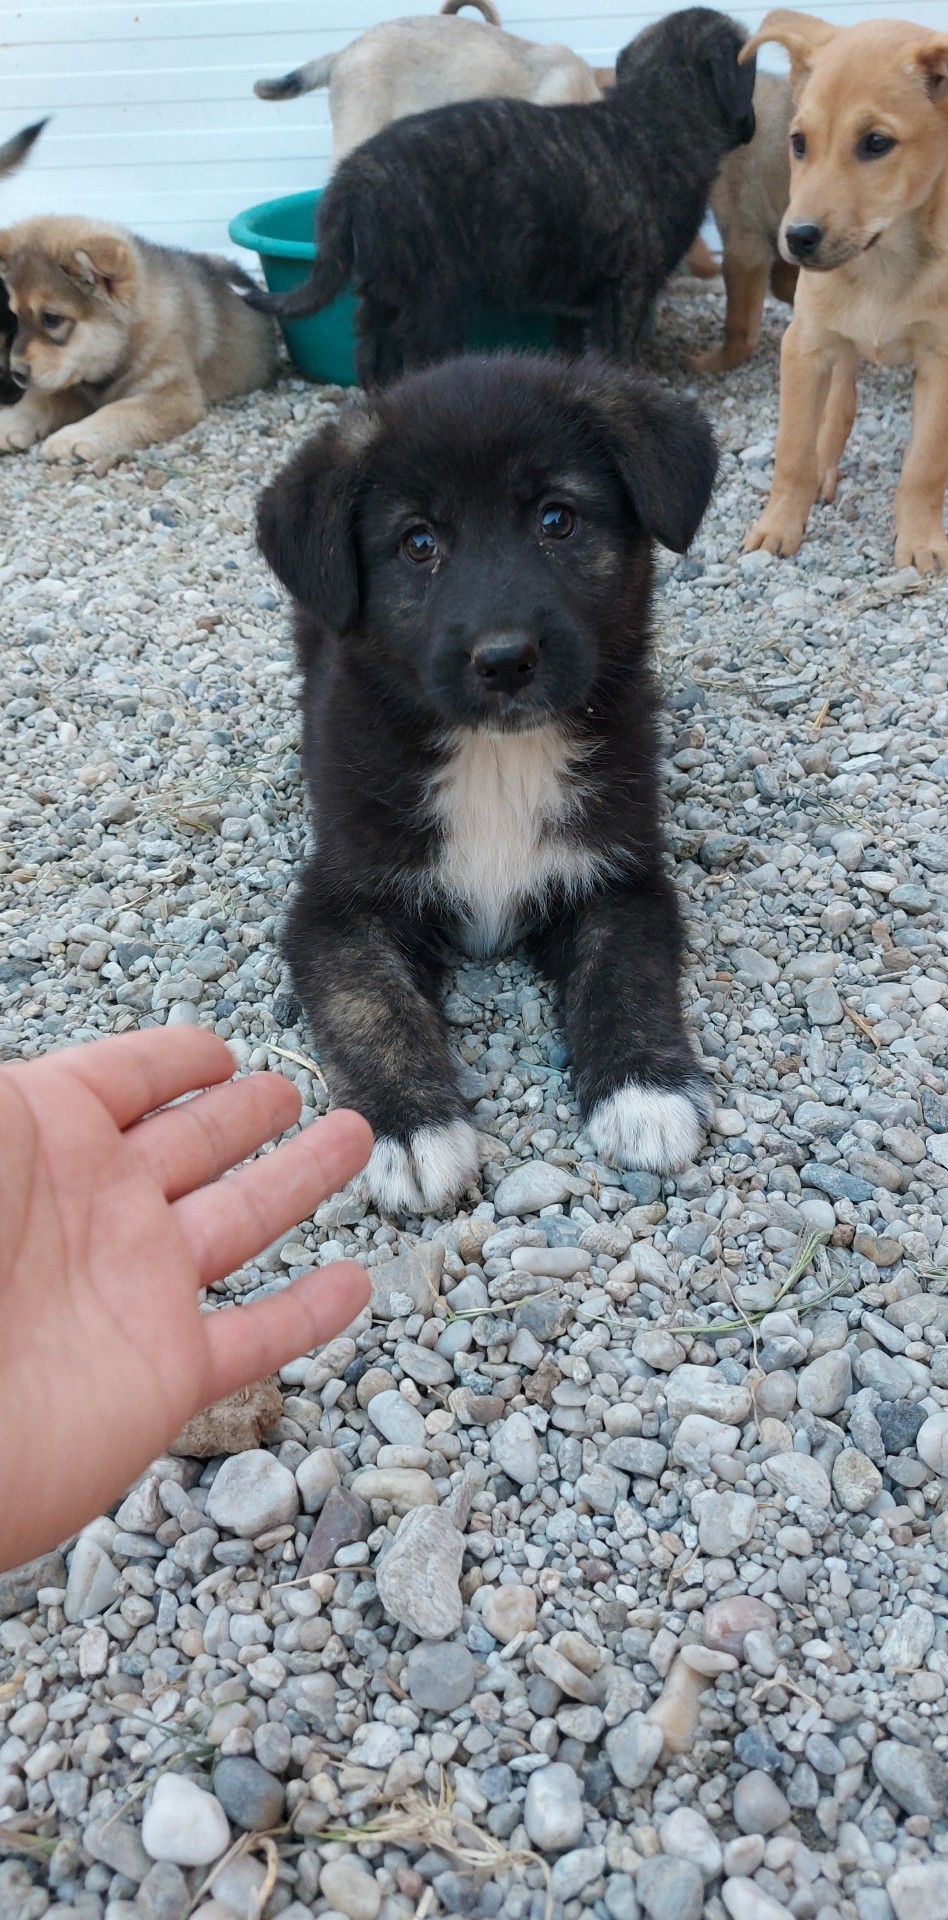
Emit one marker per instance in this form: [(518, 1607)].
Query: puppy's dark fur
[(470, 554), (582, 210), (12, 154)]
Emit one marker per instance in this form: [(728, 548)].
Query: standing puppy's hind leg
[(745, 287)]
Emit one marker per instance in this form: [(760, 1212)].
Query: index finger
[(135, 1073)]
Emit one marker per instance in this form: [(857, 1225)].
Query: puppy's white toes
[(424, 1176), (651, 1127)]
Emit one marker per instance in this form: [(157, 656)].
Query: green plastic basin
[(281, 232)]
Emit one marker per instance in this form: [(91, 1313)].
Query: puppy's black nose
[(505, 662), (803, 241)]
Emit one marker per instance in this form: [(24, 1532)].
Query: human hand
[(111, 1224)]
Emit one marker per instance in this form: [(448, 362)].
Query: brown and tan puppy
[(868, 222), (12, 155), (119, 343), (748, 200)]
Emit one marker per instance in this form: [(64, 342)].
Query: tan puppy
[(868, 221), (748, 201), (408, 66), (119, 343)]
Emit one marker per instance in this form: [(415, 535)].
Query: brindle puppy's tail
[(332, 270), (484, 7), (15, 151), (315, 74)]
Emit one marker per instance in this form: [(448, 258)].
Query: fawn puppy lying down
[(867, 223), (119, 343), (470, 554)]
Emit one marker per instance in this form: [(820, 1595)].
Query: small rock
[(378, 1746), (915, 1777), (418, 1579), (531, 1187), (825, 1385), (900, 1422), (344, 1518), (857, 1484), (93, 1583), (726, 1521), (250, 1796), (19, 1587), (932, 1441), (409, 1283), (252, 1492), (908, 1640), (670, 1889), (693, 1389), (440, 1675), (516, 1448), (118, 1845), (745, 1900), (796, 1473), (350, 1889), (315, 1477), (687, 1834), (575, 1870), (759, 1805), (234, 1425), (93, 1652), (554, 1814), (184, 1823), (754, 1748), (163, 1894), (397, 1420), (727, 1622), (508, 1610), (633, 1748), (919, 1890), (403, 1486)]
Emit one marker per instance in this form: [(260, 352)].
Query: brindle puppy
[(12, 155)]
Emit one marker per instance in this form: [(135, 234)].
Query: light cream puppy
[(408, 66), (867, 222), (119, 343)]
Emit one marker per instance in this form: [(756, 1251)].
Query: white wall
[(154, 121)]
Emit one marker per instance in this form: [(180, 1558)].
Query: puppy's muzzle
[(803, 241), (505, 663), (19, 373)]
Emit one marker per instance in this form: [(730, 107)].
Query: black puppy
[(471, 560), (582, 210), (12, 154)]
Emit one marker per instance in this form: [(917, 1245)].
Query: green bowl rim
[(244, 235)]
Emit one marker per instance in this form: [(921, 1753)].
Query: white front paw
[(434, 1168), (16, 439), (69, 444), (651, 1128)]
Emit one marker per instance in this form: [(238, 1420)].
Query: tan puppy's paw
[(925, 548), (775, 532), (719, 359), (72, 444), (16, 439), (829, 481)]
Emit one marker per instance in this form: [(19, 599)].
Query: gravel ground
[(658, 1468)]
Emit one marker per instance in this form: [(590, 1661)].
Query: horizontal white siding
[(154, 122)]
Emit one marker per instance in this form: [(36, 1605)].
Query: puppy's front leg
[(837, 422), (120, 427), (645, 1100), (805, 372), (33, 417), (370, 997), (920, 496)]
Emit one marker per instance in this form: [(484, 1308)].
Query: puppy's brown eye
[(556, 522), (798, 145), (420, 546), (873, 145), (53, 320)]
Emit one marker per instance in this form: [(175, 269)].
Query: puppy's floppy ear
[(103, 264), (801, 34), (305, 519), (932, 61), (733, 77), (664, 452)]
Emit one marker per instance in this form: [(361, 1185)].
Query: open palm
[(112, 1222)]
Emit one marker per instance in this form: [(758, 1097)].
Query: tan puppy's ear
[(802, 34), (103, 265), (6, 248), (932, 59)]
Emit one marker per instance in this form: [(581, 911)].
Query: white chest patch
[(505, 804)]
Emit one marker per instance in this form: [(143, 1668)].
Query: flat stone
[(759, 1805), (515, 1446), (824, 1386), (184, 1823), (670, 1889), (796, 1474), (251, 1493), (644, 1458), (554, 1813), (633, 1748), (884, 1373), (915, 1777), (118, 1845), (836, 1184), (689, 1836), (343, 1519), (570, 1679), (919, 1890), (726, 1521), (824, 1007), (440, 1675), (693, 1389), (745, 1900), (932, 1441), (401, 1486), (900, 1422), (554, 1263), (857, 1483), (378, 1746), (396, 1419), (508, 1610), (19, 1587), (727, 1622), (575, 1870), (163, 1894), (531, 1187), (93, 1583), (409, 1283), (908, 1640), (234, 1425), (350, 1888), (418, 1579), (315, 1477), (250, 1796), (426, 1368)]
